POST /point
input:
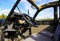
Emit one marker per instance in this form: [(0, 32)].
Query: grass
[(46, 19)]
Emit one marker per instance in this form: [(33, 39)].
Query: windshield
[(26, 7)]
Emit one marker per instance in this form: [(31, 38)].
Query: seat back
[(57, 33)]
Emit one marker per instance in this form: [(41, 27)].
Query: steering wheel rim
[(28, 19)]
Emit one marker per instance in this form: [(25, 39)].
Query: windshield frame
[(12, 10)]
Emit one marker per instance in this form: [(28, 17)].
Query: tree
[(3, 16), (0, 16)]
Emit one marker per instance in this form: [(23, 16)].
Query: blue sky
[(6, 5)]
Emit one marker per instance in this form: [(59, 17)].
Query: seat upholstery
[(57, 33), (45, 36), (39, 37)]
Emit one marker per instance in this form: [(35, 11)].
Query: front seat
[(57, 33), (45, 36)]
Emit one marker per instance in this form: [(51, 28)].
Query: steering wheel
[(29, 20)]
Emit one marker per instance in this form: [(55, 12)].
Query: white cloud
[(4, 11), (0, 9), (55, 0), (31, 10), (46, 13), (28, 6), (23, 0), (26, 3), (39, 0)]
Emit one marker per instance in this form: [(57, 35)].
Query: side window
[(46, 14)]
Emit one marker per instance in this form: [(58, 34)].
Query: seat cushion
[(46, 33), (38, 37)]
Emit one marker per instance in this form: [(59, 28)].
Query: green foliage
[(3, 16), (45, 19)]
